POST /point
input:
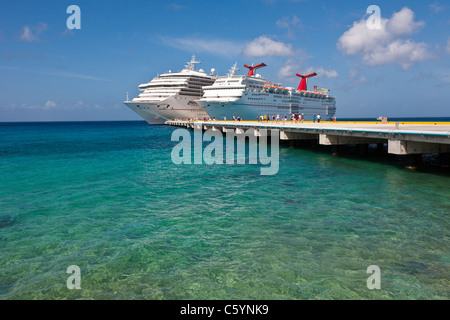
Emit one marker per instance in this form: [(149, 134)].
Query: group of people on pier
[(295, 117)]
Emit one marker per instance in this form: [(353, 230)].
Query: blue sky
[(50, 73)]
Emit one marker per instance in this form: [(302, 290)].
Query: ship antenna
[(233, 69), (190, 64)]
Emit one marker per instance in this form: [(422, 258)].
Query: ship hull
[(145, 111), (175, 107), (248, 111)]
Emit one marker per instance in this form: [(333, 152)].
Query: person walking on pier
[(314, 118), (318, 118)]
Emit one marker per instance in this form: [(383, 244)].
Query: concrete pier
[(402, 138)]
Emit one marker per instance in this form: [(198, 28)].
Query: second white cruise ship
[(171, 95), (251, 96)]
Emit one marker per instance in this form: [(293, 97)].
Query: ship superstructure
[(172, 95), (249, 96)]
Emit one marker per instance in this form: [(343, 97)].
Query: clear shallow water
[(106, 197)]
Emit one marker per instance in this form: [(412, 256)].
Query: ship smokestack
[(302, 85), (252, 69)]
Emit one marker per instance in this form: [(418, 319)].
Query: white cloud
[(264, 46), (361, 80), (289, 23), (67, 32), (58, 73), (356, 81), (436, 8), (352, 73), (402, 23), (30, 34), (27, 35), (322, 72), (291, 67), (386, 45), (403, 52), (175, 6), (49, 105), (219, 47)]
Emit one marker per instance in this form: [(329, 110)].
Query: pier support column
[(261, 132), (413, 147)]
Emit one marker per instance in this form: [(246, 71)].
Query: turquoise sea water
[(107, 197)]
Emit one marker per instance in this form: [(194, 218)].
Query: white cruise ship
[(171, 95), (251, 96)]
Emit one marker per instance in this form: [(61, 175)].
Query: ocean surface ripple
[(107, 198)]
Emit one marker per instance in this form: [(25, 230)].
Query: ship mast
[(190, 64), (233, 69)]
